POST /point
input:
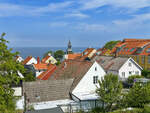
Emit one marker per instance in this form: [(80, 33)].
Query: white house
[(29, 60), (121, 66), (19, 59), (49, 59)]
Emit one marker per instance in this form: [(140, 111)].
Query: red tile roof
[(45, 75), (86, 53), (27, 60), (74, 56), (131, 46), (45, 59), (40, 66)]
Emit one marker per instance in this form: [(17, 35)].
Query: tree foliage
[(146, 73), (139, 95), (59, 54), (49, 52), (109, 90), (8, 75), (131, 78), (110, 45), (29, 76)]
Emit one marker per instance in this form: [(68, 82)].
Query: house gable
[(130, 67), (32, 61), (86, 84)]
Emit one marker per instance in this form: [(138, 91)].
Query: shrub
[(146, 73), (146, 109), (131, 78), (97, 110)]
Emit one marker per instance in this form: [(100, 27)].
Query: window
[(95, 79), (95, 68), (137, 72), (149, 59), (148, 50), (130, 72), (130, 64), (143, 59), (137, 59), (123, 74), (131, 50)]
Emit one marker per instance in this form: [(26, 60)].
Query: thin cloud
[(22, 10), (90, 27), (77, 14), (58, 24), (128, 4)]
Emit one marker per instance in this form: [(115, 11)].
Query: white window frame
[(95, 79), (123, 74)]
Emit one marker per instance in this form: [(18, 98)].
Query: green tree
[(139, 95), (146, 73), (8, 75), (29, 76), (59, 54), (49, 52), (109, 90), (131, 78), (110, 45)]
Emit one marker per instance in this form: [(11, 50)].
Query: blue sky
[(85, 22)]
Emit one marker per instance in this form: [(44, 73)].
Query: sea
[(40, 51)]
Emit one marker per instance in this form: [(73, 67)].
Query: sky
[(87, 23)]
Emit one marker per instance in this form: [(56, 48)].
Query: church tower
[(69, 49)]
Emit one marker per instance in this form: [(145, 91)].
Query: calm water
[(40, 51)]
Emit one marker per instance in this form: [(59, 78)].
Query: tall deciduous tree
[(109, 90), (8, 75)]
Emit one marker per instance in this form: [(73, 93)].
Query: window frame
[(95, 79)]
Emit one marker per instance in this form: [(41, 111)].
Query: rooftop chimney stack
[(38, 60)]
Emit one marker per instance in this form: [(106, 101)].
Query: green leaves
[(139, 95), (9, 69), (110, 44), (109, 90)]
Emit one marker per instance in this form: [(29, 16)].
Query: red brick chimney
[(38, 60)]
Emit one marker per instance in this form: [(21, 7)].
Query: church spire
[(69, 49)]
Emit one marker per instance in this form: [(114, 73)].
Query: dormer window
[(95, 79), (95, 68), (130, 64)]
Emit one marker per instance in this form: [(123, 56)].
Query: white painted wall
[(38, 73), (126, 68), (32, 61), (86, 83), (18, 91), (19, 59), (51, 60)]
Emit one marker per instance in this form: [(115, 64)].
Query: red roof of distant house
[(74, 56), (40, 66), (45, 75), (45, 58), (27, 60), (16, 58), (131, 46), (86, 53)]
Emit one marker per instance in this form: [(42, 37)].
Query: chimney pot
[(38, 60)]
